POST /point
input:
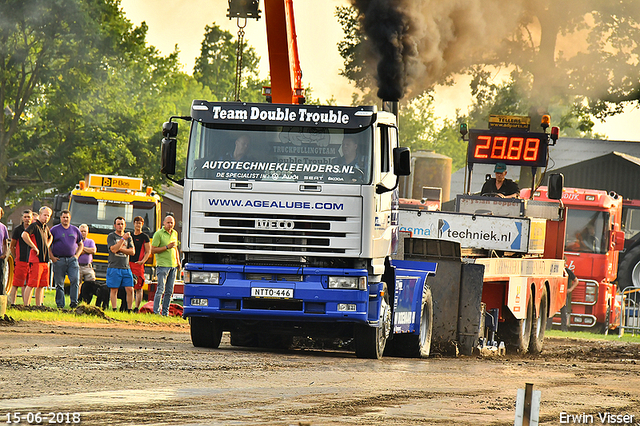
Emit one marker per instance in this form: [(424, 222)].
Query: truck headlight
[(590, 293), (194, 277), (351, 283)]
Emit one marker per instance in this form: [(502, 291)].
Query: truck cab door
[(385, 184), (388, 140)]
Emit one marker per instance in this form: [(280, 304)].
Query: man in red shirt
[(20, 252), (39, 239)]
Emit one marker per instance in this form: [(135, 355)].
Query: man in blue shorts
[(120, 247)]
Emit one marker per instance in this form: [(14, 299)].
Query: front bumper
[(310, 301)]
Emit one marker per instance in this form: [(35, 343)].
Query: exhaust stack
[(392, 107)]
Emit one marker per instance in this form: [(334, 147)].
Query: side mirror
[(170, 129), (618, 240), (168, 152), (402, 161), (556, 185)]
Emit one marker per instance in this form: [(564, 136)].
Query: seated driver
[(500, 186)]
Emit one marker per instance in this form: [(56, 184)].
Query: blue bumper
[(292, 294)]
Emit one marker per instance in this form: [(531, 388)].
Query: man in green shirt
[(165, 246)]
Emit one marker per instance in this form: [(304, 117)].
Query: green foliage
[(310, 100), (215, 68), (511, 97), (40, 42), (418, 130), (357, 62), (97, 97)]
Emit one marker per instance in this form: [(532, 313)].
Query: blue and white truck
[(289, 226)]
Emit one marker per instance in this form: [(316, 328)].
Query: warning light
[(555, 132), (546, 119)]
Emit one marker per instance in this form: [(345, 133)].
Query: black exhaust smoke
[(388, 28)]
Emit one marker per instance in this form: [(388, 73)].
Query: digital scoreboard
[(512, 147)]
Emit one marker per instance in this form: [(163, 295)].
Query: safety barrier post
[(527, 406)]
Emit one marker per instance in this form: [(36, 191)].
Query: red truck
[(594, 239)]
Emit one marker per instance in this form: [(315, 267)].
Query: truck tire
[(539, 325), (417, 345), (205, 332), (371, 341), (603, 327), (629, 269), (517, 332)]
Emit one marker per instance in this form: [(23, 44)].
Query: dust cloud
[(420, 43)]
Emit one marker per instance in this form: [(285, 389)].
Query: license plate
[(199, 302), (273, 293)]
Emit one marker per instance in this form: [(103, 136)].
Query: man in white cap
[(500, 186)]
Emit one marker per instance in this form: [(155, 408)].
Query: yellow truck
[(99, 199)]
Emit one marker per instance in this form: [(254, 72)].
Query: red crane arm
[(284, 64)]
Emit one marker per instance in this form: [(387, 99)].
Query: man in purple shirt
[(4, 251), (65, 250)]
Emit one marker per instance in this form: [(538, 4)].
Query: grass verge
[(627, 337), (82, 314)]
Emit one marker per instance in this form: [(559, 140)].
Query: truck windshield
[(269, 153), (587, 231), (100, 214), (630, 221)]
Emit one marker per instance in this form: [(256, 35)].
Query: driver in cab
[(500, 186)]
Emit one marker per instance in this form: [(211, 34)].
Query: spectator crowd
[(66, 252)]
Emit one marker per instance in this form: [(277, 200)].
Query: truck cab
[(289, 222), (594, 239)]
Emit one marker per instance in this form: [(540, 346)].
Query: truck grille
[(281, 233)]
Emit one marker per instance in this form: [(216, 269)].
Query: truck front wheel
[(371, 341), (629, 270), (517, 332), (205, 332), (539, 325)]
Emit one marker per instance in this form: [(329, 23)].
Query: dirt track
[(118, 374)]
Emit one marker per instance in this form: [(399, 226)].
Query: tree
[(582, 50), (216, 67), (39, 41), (586, 50), (355, 56), (419, 130), (511, 98), (99, 113)]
